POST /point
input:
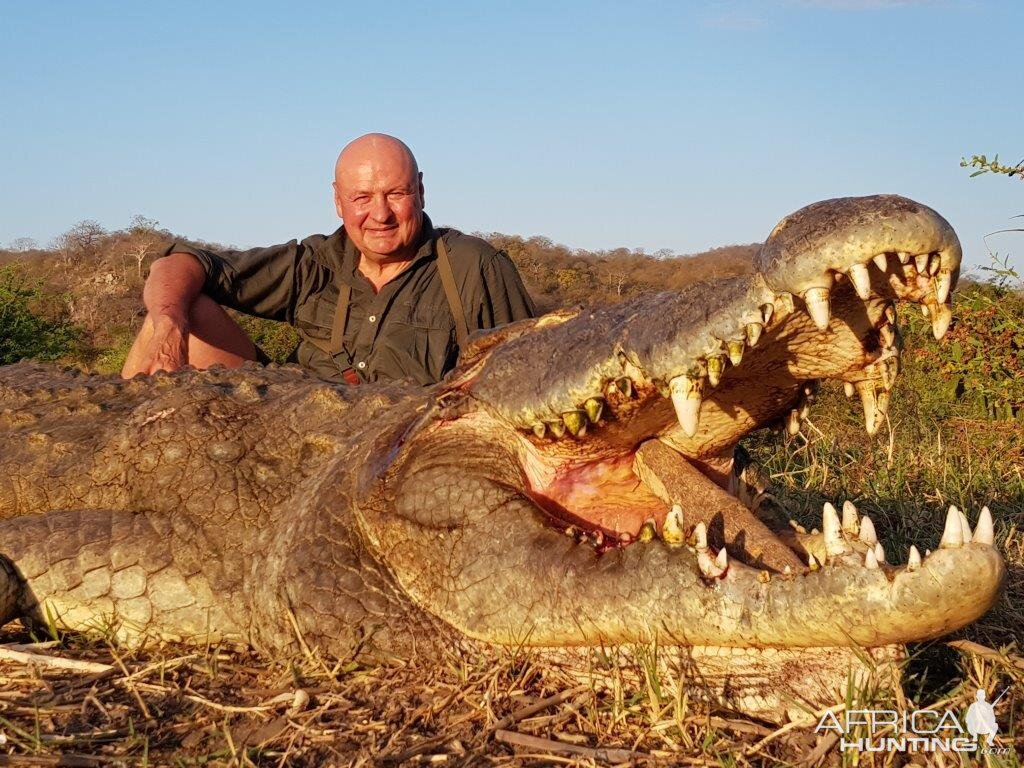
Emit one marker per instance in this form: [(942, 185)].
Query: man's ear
[(422, 197), (337, 199)]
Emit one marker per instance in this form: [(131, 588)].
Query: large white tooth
[(811, 562), (943, 283), (881, 262), (869, 400), (934, 265), (851, 522), (700, 535), (687, 399), (953, 534), (942, 316), (672, 530), (965, 526), (879, 552), (870, 561), (817, 306), (984, 533), (903, 256), (848, 388), (888, 335), (913, 559), (722, 559), (785, 300), (867, 531), (861, 279), (832, 528), (766, 312), (921, 262)]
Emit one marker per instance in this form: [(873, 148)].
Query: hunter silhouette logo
[(981, 717)]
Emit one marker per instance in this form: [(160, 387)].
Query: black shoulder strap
[(451, 292)]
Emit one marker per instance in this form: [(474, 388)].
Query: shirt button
[(361, 364), (372, 318)]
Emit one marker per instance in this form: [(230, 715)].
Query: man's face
[(379, 194)]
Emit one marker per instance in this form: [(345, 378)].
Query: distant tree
[(82, 241), (22, 244)]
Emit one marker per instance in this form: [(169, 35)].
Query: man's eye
[(394, 195), (361, 199)]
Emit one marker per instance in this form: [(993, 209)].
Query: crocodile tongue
[(729, 523)]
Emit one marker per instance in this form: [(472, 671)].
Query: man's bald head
[(375, 148), (378, 191)]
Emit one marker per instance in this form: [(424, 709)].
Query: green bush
[(33, 323)]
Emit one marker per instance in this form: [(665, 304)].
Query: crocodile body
[(571, 484)]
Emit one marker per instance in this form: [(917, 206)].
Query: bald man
[(388, 296)]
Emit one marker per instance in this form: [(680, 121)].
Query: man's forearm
[(173, 284)]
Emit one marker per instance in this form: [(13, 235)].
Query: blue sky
[(654, 125)]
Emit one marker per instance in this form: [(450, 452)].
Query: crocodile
[(574, 484)]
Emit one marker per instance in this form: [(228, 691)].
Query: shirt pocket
[(315, 316), (418, 344)]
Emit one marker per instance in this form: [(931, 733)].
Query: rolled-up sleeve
[(505, 297), (259, 281)]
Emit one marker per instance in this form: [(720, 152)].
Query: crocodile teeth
[(754, 331), (942, 316), (735, 349), (539, 429), (879, 553), (625, 386), (848, 388), (867, 531), (716, 367), (965, 526), (934, 265), (647, 532), (786, 301), (888, 335), (575, 422), (672, 531), (594, 408), (861, 279), (881, 261), (700, 536), (793, 422), (921, 262), (984, 533), (712, 567), (834, 542), (870, 561), (851, 523), (811, 562), (869, 400), (953, 534), (686, 398), (942, 285), (903, 257), (766, 312), (816, 300), (913, 559)]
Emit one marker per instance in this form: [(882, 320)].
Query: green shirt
[(406, 331)]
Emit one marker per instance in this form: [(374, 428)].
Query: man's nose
[(379, 208)]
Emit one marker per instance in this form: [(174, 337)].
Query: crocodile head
[(574, 483)]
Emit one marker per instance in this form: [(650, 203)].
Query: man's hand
[(165, 350), (162, 345)]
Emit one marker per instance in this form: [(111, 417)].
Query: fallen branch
[(54, 662), (605, 755)]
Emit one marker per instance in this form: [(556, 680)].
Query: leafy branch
[(984, 165)]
